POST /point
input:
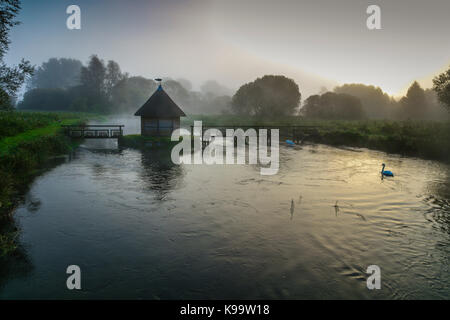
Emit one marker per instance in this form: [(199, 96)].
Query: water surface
[(141, 227)]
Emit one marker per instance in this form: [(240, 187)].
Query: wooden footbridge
[(295, 133), (105, 131)]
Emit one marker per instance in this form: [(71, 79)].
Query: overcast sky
[(316, 42)]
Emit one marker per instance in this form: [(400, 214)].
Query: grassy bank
[(429, 140), (27, 140), (426, 139), (140, 142)]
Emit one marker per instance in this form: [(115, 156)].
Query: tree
[(375, 102), (214, 89), (267, 96), (5, 101), (131, 93), (436, 109), (441, 84), (113, 76), (333, 106), (55, 99), (11, 78), (56, 73), (93, 84), (93, 76), (185, 83), (414, 104)]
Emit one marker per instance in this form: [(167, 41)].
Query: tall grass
[(13, 123)]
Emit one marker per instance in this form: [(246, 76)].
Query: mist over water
[(141, 227)]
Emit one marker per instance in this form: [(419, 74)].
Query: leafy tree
[(97, 83), (93, 84), (441, 84), (375, 102), (11, 78), (113, 76), (55, 99), (333, 106), (213, 89), (414, 104), (93, 76), (131, 93), (437, 110), (267, 96), (5, 101), (177, 92), (56, 73), (222, 103)]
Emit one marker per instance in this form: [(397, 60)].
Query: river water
[(141, 227)]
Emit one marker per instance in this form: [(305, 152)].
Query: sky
[(318, 43)]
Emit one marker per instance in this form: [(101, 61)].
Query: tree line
[(277, 96), (67, 85)]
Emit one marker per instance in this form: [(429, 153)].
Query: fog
[(317, 43), (211, 48)]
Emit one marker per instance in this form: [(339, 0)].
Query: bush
[(46, 100), (5, 101)]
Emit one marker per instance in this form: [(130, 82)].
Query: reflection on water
[(141, 227), (17, 264), (159, 174)]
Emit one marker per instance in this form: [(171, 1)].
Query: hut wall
[(159, 127)]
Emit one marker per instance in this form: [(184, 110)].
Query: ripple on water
[(166, 231)]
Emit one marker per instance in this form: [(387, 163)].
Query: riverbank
[(27, 141), (424, 139), (137, 141)]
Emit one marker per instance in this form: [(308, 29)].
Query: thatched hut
[(159, 115)]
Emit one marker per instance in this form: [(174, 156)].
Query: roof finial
[(159, 83)]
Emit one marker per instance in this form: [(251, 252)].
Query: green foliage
[(332, 105), (414, 104), (8, 12), (267, 97), (131, 93), (66, 85), (5, 101), (46, 99), (8, 243), (97, 83), (56, 73), (441, 84), (141, 142), (26, 141), (376, 103), (427, 139), (15, 123), (11, 78)]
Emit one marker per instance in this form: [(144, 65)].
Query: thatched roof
[(160, 105)]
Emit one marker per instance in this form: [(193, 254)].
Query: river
[(141, 227)]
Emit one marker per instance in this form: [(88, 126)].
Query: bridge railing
[(94, 131), (296, 133)]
